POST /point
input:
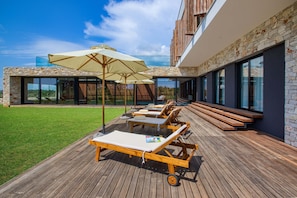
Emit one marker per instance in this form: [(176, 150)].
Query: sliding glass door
[(252, 81)]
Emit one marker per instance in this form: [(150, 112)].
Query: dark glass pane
[(166, 89), (204, 88), (31, 91), (65, 90), (220, 87), (256, 84), (48, 90), (244, 96)]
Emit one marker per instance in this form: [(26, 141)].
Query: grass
[(29, 135)]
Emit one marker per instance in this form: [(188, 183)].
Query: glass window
[(187, 88), (65, 90), (256, 84), (244, 85), (120, 93), (48, 90), (204, 88), (252, 80), (91, 90), (144, 93), (87, 90), (220, 87), (166, 89), (31, 91)]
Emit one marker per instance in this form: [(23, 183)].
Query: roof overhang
[(227, 21)]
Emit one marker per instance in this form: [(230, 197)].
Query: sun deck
[(228, 164)]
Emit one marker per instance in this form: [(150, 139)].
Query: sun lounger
[(136, 145), (165, 111), (170, 122)]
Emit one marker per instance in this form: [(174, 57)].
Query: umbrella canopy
[(101, 59), (124, 78)]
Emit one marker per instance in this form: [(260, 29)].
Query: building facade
[(58, 85), (235, 54), (246, 58)]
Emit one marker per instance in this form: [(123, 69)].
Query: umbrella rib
[(127, 66), (94, 58), (62, 59), (83, 64)]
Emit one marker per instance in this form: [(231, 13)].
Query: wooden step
[(222, 125), (230, 121), (225, 113), (242, 112)]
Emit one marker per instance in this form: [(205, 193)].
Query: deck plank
[(228, 164)]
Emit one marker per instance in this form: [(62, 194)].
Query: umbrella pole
[(103, 96), (135, 88), (125, 95)]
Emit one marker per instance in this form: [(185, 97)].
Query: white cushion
[(134, 141)]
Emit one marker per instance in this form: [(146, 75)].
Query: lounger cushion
[(157, 121), (151, 113), (134, 141)]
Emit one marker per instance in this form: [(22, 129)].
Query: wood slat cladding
[(201, 6), (189, 13), (185, 28)]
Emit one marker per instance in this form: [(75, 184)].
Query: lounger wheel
[(173, 180)]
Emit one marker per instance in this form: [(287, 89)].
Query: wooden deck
[(227, 164)]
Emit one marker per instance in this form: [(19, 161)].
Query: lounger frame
[(171, 122), (182, 159)]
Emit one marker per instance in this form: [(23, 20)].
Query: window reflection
[(166, 89), (204, 88), (48, 90), (31, 91), (65, 90), (220, 87), (252, 81)]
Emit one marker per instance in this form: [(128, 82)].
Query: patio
[(227, 164)]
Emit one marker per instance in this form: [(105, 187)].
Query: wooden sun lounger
[(170, 122), (136, 145), (165, 111)]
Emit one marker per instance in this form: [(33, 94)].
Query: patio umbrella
[(101, 59), (124, 78), (138, 82)]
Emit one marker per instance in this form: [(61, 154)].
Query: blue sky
[(36, 28)]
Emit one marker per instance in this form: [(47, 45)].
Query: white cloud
[(41, 46), (137, 27)]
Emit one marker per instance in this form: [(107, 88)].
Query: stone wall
[(279, 28)]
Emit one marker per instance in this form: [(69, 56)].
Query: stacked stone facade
[(281, 28)]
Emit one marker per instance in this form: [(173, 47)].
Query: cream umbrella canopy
[(101, 59), (124, 78), (137, 82)]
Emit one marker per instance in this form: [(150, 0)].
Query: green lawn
[(28, 135)]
